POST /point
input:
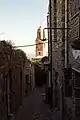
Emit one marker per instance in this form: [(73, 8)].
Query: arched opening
[(39, 53)]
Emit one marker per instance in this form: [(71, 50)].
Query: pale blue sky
[(19, 20)]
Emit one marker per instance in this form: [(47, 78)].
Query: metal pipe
[(50, 38), (66, 34), (50, 13), (57, 28)]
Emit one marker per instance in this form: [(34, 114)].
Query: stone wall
[(58, 38), (73, 20), (10, 91), (74, 28), (58, 46), (73, 35), (33, 76), (58, 43), (29, 70), (59, 23), (12, 84)]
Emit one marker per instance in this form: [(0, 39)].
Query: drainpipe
[(66, 34), (66, 46), (51, 87)]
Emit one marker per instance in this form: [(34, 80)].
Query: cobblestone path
[(35, 109)]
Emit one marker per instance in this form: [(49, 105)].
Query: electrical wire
[(28, 45)]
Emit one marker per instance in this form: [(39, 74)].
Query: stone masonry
[(58, 53), (74, 35), (12, 82), (60, 20), (58, 46)]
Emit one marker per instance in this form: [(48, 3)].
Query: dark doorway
[(9, 104), (10, 90), (21, 87), (26, 82), (40, 76), (39, 53), (7, 95)]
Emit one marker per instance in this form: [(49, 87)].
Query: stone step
[(77, 102), (77, 92), (77, 111), (76, 87), (77, 118), (77, 82)]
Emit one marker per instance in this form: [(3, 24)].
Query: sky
[(19, 20)]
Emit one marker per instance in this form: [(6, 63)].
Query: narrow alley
[(34, 108)]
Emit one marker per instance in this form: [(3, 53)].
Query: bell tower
[(39, 42)]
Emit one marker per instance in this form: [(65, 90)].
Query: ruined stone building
[(65, 14)]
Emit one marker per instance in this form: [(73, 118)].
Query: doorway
[(21, 87), (9, 93), (26, 83)]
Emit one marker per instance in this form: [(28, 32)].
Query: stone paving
[(35, 109)]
